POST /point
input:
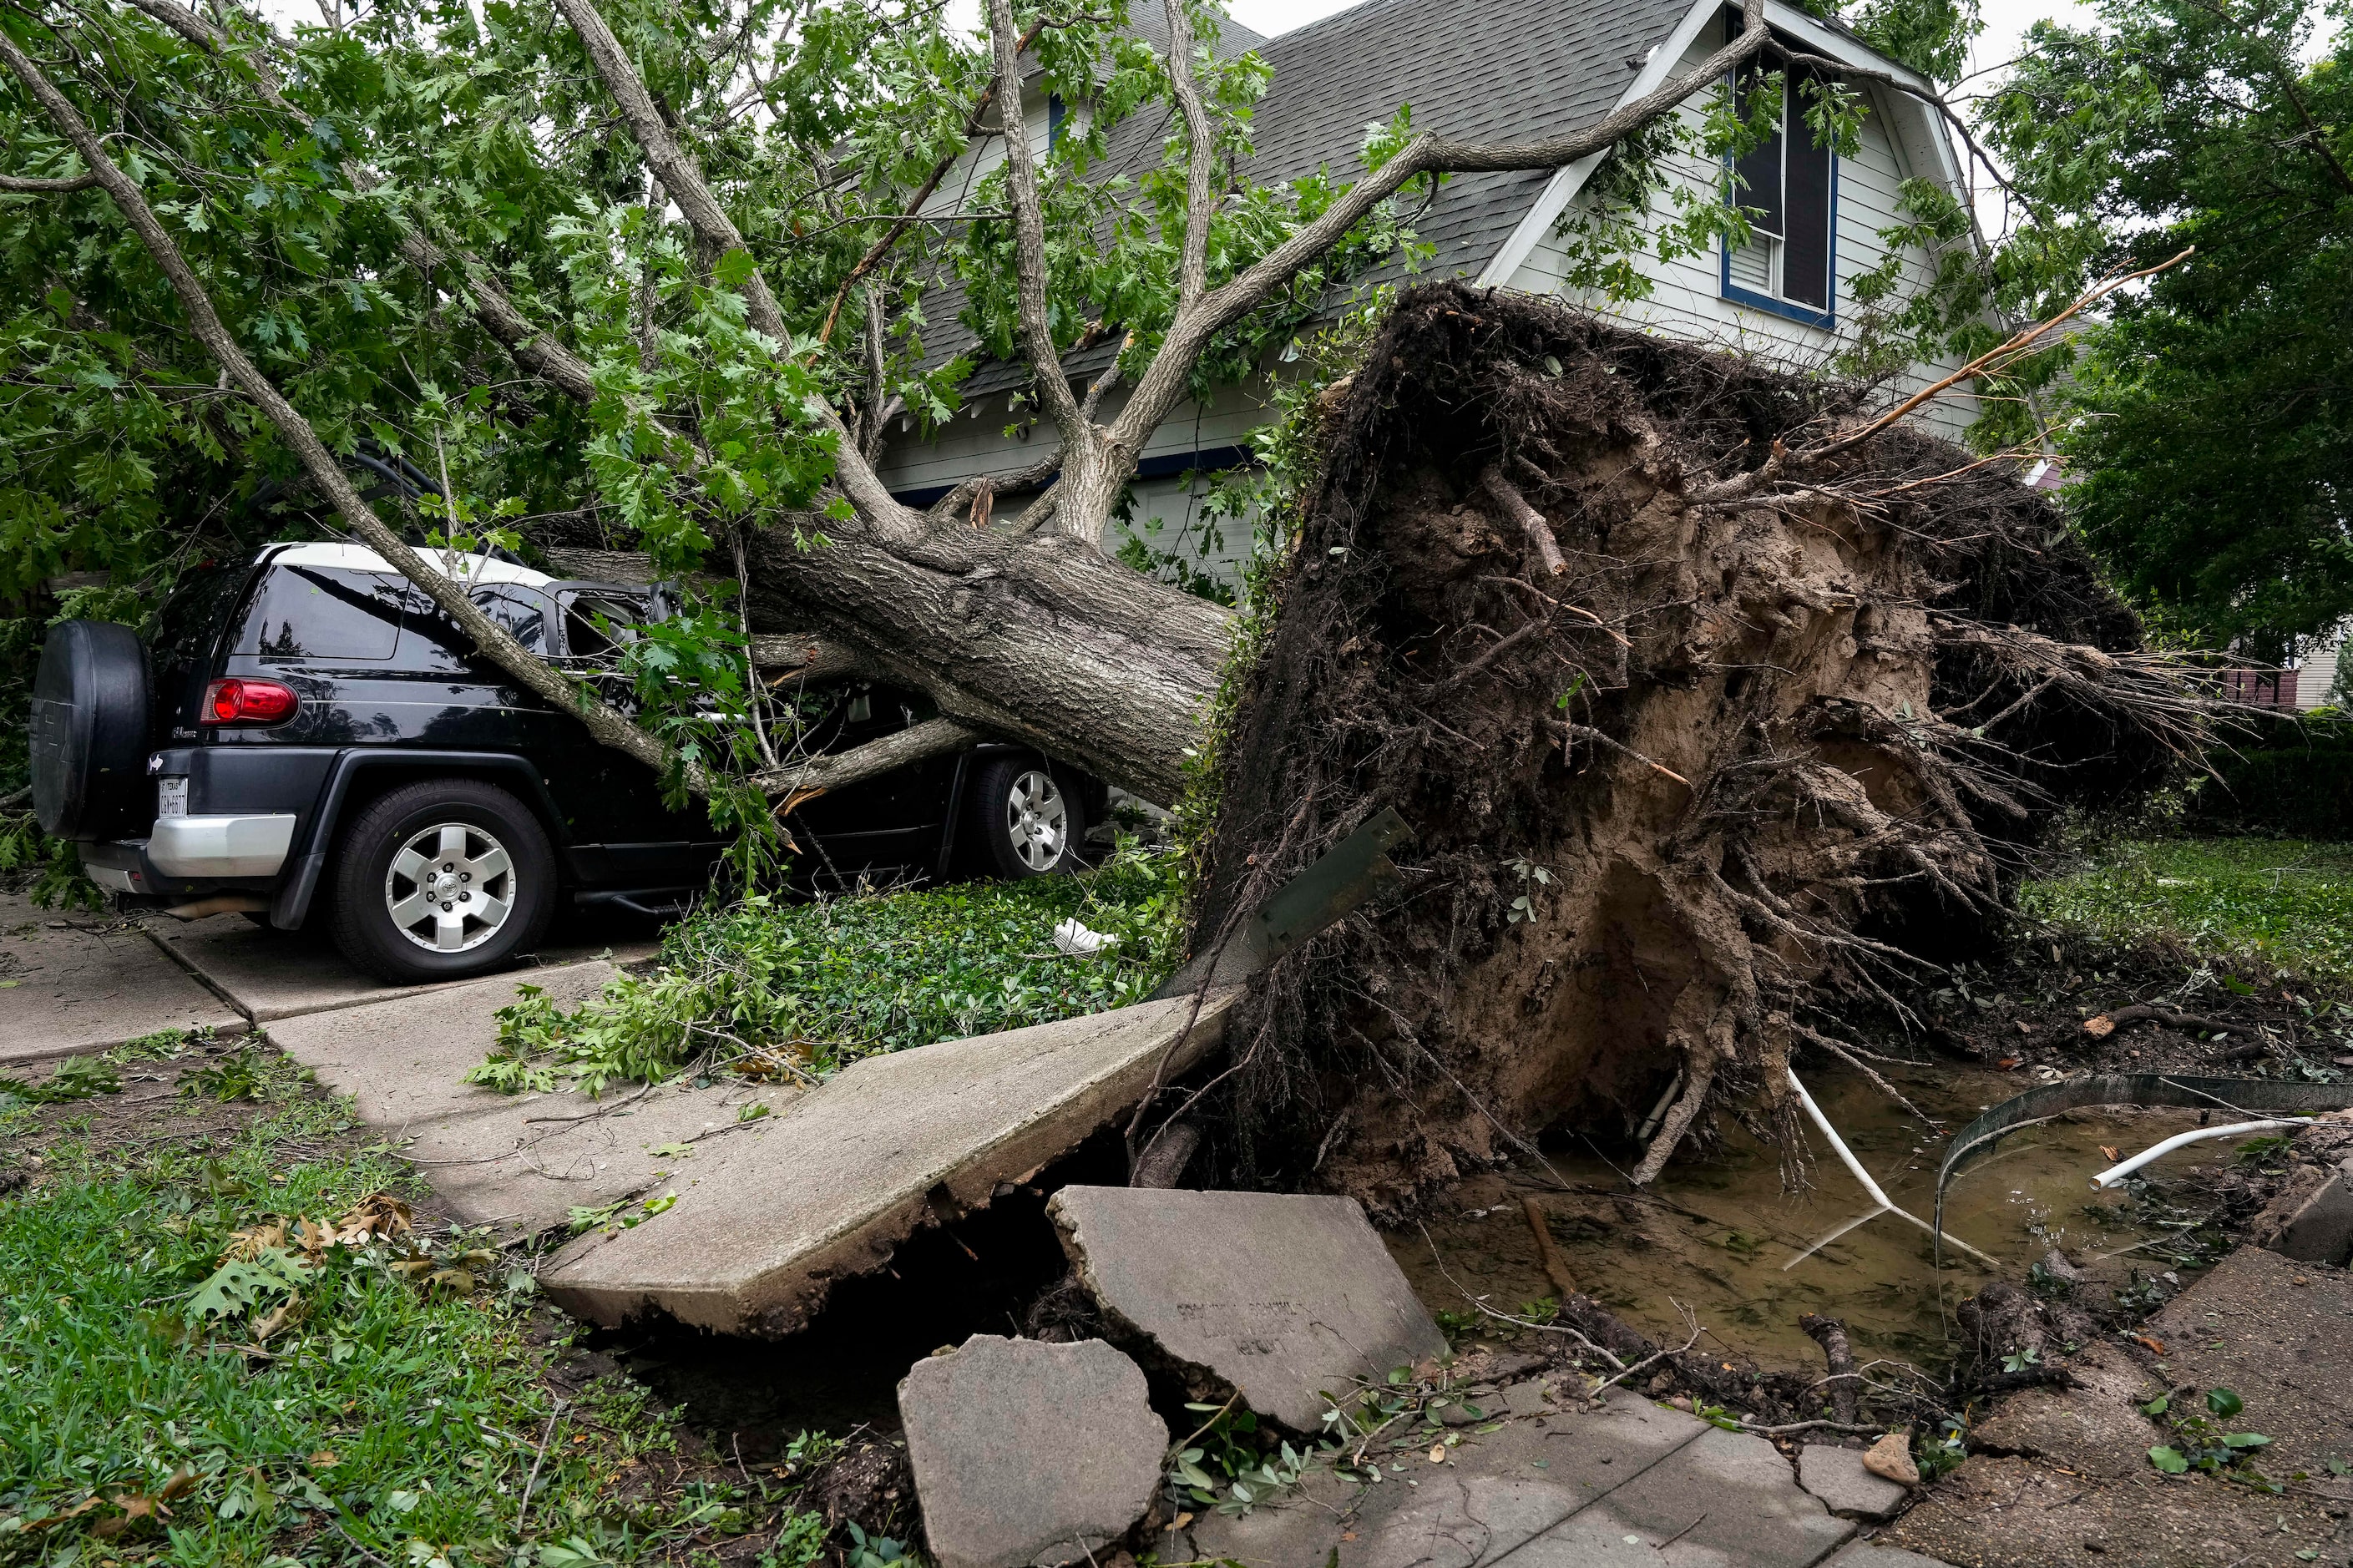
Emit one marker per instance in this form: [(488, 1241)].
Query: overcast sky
[(2006, 20)]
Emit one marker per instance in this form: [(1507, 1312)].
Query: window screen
[(1805, 196), (1785, 185), (322, 613)]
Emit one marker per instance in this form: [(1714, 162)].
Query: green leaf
[(2157, 1406), (2170, 1460), (2246, 1440), (2224, 1403)]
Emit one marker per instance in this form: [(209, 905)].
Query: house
[(1498, 70)]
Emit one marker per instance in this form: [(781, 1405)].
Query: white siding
[(1687, 301), (974, 442)]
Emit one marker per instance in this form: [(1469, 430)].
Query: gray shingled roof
[(1477, 69)]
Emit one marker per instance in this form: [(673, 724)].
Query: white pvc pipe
[(1886, 1204), (2115, 1173)]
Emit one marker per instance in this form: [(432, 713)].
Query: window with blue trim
[(1790, 185)]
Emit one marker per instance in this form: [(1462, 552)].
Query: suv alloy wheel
[(442, 879), (1029, 825)]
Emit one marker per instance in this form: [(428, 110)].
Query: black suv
[(309, 734)]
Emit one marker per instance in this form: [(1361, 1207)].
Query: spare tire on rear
[(90, 731)]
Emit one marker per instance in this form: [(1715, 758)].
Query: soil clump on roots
[(1705, 717)]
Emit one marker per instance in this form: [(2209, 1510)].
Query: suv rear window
[(322, 613), (193, 614)]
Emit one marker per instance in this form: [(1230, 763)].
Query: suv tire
[(441, 880), (1027, 823)]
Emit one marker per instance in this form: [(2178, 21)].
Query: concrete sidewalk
[(75, 981), (272, 975)]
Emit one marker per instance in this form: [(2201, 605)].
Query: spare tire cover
[(90, 731)]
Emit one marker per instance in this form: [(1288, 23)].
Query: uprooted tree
[(1714, 706)]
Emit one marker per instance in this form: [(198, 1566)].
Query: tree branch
[(801, 782), (532, 347), (681, 176), (1200, 159), (1030, 236), (17, 185), (913, 215), (608, 727), (1988, 362), (1014, 483)]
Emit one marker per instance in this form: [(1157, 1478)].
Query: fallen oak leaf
[(2156, 1345), (2099, 1026)]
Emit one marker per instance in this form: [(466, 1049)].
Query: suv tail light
[(248, 702)]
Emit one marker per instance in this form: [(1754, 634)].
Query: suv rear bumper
[(126, 866), (221, 846)]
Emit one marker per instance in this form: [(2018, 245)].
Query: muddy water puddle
[(1719, 1234)]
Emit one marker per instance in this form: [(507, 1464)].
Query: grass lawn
[(2283, 903), (225, 1339)]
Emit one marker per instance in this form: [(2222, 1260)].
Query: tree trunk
[(1039, 635)]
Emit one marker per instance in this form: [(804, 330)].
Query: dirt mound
[(1703, 714)]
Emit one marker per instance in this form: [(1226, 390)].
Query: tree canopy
[(2209, 419)]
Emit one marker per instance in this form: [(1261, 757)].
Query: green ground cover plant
[(803, 989), (226, 1343), (2284, 903)]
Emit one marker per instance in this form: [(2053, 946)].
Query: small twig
[(354, 1539), (1650, 1361), (522, 1514), (1204, 1426)]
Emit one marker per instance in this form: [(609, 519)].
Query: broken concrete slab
[(2080, 1489), (783, 1210), (2006, 1512), (2279, 1333), (1871, 1554), (1730, 1494), (1487, 1499), (274, 974), (2322, 1230), (1287, 1297), (405, 1060), (2095, 1428), (1027, 1453), (79, 983), (1837, 1477)]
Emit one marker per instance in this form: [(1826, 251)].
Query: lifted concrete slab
[(521, 1162), (829, 1187), (524, 1164), (1286, 1297), (1029, 1453), (71, 983), (274, 974), (405, 1059)]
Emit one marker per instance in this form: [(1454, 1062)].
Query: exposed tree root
[(1776, 729)]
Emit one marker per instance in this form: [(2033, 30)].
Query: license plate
[(171, 797)]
